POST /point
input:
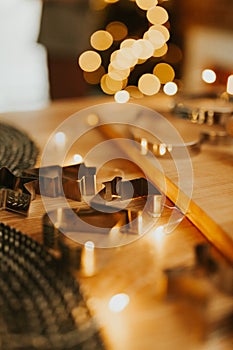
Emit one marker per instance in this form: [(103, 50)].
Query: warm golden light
[(127, 43), (149, 84), (122, 96), (59, 218), (124, 58), (161, 52), (88, 258), (105, 87), (155, 37), (157, 15), (94, 77), (162, 149), (97, 5), (101, 40), (161, 29), (146, 4), (170, 88), (118, 30), (114, 85), (134, 91), (110, 1), (89, 61), (230, 85), (208, 76), (164, 72), (143, 49), (118, 302), (144, 146), (131, 52), (118, 74), (158, 236), (92, 119)]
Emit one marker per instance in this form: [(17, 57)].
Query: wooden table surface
[(152, 320)]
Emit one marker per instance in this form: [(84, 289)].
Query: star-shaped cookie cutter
[(102, 216), (72, 181), (16, 192), (119, 191)]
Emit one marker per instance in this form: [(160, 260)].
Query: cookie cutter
[(72, 181), (166, 149), (204, 110), (118, 192), (16, 192), (60, 225)]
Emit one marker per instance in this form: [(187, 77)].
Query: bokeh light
[(161, 29), (208, 76), (112, 84), (129, 53), (118, 302), (89, 61), (122, 96), (230, 84), (89, 245), (92, 119), (149, 84), (164, 72), (157, 15), (101, 40), (118, 74), (105, 87), (78, 158), (146, 4), (134, 91), (142, 49), (156, 38), (118, 30), (111, 1), (124, 58), (94, 77), (161, 51), (127, 42), (170, 88)]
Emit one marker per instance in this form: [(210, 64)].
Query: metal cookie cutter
[(73, 181), (165, 150), (118, 191), (66, 230), (62, 228), (16, 192), (204, 110)]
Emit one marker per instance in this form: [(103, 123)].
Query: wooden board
[(151, 320)]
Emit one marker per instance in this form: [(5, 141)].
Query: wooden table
[(151, 320)]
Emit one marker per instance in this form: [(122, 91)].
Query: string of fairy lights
[(131, 52)]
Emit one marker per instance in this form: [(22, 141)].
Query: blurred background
[(201, 37)]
